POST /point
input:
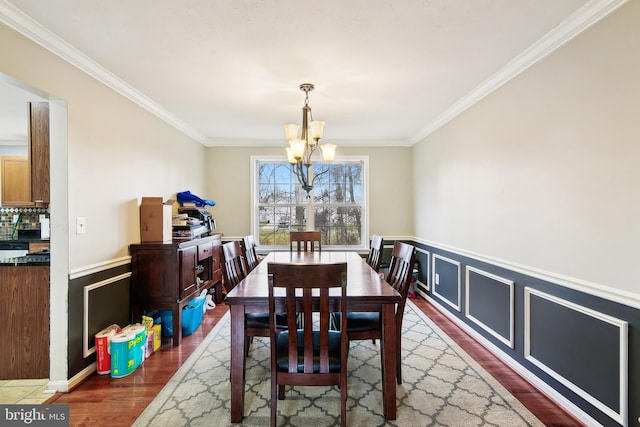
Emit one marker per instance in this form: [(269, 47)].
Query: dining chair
[(233, 265), (374, 259), (368, 325), (251, 257), (233, 271), (314, 355), (304, 241)]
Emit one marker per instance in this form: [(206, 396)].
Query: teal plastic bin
[(191, 317)]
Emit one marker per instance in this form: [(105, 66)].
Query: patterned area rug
[(442, 386)]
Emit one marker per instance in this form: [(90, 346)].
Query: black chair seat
[(261, 320), (282, 349), (360, 322)]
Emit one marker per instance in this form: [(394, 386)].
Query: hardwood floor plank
[(102, 400)]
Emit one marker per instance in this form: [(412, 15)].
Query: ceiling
[(227, 72)]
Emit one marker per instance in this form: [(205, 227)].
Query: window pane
[(266, 218), (265, 193), (283, 193)]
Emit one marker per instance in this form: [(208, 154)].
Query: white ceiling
[(227, 71)]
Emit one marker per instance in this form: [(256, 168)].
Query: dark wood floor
[(105, 401)]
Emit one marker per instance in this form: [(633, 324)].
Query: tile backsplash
[(28, 219)]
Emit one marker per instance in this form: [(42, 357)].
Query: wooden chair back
[(375, 253), (403, 257), (233, 268), (251, 257), (315, 355), (304, 241)]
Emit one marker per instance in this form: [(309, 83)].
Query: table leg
[(388, 348), (237, 363)]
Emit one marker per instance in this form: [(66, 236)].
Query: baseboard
[(69, 385)]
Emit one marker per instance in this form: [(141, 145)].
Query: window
[(337, 206)]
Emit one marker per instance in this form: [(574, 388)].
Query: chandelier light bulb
[(328, 152), (290, 157), (315, 129), (297, 148), (291, 131)]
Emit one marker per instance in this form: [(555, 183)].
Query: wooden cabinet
[(25, 179), (24, 316), (16, 181), (39, 152), (39, 246), (166, 276)]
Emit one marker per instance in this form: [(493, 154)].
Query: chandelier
[(301, 149)]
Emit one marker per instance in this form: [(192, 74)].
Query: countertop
[(29, 259)]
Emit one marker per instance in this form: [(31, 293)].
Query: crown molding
[(20, 22), (582, 19)]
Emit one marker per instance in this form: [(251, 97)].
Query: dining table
[(366, 291)]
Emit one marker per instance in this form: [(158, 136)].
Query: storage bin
[(191, 317)]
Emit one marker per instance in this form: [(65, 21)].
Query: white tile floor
[(23, 391)]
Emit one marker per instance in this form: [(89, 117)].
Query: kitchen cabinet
[(38, 246), (39, 152), (25, 179), (166, 276), (16, 181), (24, 316)]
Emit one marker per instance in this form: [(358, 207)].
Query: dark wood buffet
[(166, 276)]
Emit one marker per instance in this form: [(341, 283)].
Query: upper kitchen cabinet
[(16, 180), (25, 179), (39, 151)]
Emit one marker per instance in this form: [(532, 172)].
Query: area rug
[(442, 386)]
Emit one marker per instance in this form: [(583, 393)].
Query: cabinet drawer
[(205, 250), (38, 246)]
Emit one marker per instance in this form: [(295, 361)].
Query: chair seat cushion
[(361, 322), (282, 351), (261, 320)]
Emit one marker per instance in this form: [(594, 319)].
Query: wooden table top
[(363, 283)]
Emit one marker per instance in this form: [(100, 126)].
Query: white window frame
[(255, 227)]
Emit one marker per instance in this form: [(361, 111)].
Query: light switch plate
[(81, 225)]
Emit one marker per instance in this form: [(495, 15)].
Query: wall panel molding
[(88, 345), (560, 330), (485, 310), (450, 290), (426, 255)]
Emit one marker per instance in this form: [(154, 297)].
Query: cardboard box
[(155, 220)]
